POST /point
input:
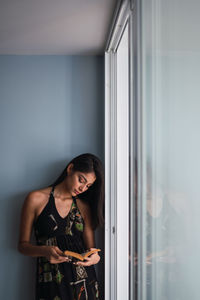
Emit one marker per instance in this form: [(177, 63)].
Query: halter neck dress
[(63, 281)]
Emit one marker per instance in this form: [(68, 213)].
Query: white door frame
[(128, 11), (113, 235)]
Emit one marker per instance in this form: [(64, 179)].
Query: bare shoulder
[(37, 198)]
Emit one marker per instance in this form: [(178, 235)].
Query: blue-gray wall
[(51, 109)]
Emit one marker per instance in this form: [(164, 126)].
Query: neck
[(62, 192)]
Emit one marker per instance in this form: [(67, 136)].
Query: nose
[(82, 188)]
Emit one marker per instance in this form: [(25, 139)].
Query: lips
[(76, 192)]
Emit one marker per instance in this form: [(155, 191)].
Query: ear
[(69, 168)]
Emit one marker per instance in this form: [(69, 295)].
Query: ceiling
[(57, 27)]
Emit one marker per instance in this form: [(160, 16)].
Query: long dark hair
[(95, 194)]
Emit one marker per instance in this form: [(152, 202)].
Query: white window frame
[(113, 267), (127, 11)]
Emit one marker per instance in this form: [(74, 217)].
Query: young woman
[(64, 217)]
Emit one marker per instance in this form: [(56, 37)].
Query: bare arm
[(28, 214)]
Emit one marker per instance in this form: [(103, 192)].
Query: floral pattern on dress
[(48, 272), (63, 281), (74, 218), (81, 272), (58, 277), (56, 298)]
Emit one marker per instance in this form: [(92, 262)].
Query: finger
[(79, 262), (59, 251), (96, 252), (58, 261), (55, 255), (68, 259), (84, 264), (88, 258), (63, 259)]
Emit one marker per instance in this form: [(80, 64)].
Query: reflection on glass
[(171, 58)]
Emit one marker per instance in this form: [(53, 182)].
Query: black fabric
[(64, 281)]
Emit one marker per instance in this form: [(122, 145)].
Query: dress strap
[(52, 193), (51, 196), (52, 190), (74, 200)]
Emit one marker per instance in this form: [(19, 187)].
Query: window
[(152, 152)]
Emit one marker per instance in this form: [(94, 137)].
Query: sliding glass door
[(152, 152), (169, 165)]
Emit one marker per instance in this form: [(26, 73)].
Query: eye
[(81, 179)]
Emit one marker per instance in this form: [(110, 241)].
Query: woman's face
[(78, 182)]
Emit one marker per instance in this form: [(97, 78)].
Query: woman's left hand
[(93, 259)]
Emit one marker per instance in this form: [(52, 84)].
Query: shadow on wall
[(17, 268)]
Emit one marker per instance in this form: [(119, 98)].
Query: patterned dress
[(63, 281)]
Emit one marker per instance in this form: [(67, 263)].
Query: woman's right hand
[(55, 255)]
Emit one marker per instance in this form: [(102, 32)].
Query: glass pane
[(171, 148)]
